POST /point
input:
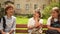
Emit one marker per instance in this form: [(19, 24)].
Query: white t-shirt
[(49, 20), (31, 22)]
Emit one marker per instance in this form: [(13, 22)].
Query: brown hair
[(58, 11), (38, 13), (8, 8)]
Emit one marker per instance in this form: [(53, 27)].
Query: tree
[(47, 9), (9, 2)]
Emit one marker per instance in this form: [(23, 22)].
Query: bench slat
[(21, 31), (44, 26), (44, 31), (21, 26), (25, 26), (25, 31)]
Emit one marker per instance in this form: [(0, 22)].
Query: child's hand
[(3, 33), (7, 33), (36, 18), (58, 29)]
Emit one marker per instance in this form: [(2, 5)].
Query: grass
[(44, 21), (24, 20)]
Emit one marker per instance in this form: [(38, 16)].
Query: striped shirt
[(10, 23)]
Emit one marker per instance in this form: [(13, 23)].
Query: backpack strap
[(0, 20), (4, 23)]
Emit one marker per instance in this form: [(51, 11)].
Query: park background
[(24, 9)]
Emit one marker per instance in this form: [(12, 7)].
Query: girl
[(35, 23), (8, 21), (53, 22)]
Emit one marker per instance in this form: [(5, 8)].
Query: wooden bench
[(25, 26)]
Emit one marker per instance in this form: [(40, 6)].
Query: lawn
[(24, 20), (21, 20)]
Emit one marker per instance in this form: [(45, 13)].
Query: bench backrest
[(21, 26), (25, 26)]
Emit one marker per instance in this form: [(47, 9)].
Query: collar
[(8, 18)]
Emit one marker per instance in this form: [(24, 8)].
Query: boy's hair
[(8, 8)]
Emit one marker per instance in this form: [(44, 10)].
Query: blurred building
[(27, 6), (2, 2)]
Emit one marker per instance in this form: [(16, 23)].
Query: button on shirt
[(10, 23)]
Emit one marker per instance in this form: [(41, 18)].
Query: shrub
[(47, 9)]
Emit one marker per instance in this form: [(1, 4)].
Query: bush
[(24, 15), (47, 9), (30, 15), (2, 12)]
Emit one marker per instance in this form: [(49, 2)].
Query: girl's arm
[(52, 28), (37, 24), (30, 26), (11, 31), (2, 32)]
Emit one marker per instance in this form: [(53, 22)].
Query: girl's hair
[(38, 11), (58, 11), (8, 8)]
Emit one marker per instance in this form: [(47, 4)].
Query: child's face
[(36, 14), (10, 11), (54, 14)]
